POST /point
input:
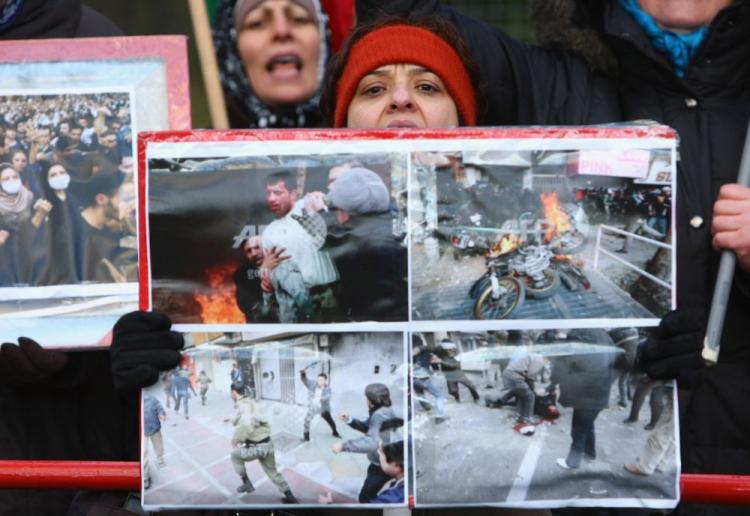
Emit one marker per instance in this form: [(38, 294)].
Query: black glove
[(143, 345), (673, 350), (28, 363)]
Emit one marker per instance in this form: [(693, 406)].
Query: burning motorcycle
[(527, 260)]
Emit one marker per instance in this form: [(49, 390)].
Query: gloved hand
[(28, 363), (673, 350), (143, 345)]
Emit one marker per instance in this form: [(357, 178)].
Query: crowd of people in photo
[(651, 205), (67, 200)]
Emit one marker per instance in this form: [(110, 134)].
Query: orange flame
[(554, 213), (505, 245), (218, 305)]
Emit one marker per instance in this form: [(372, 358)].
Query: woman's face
[(279, 44), (10, 181), (19, 161), (8, 174), (56, 171), (401, 95)]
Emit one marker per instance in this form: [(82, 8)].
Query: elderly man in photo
[(301, 233)]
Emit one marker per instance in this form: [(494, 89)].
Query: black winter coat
[(585, 380), (709, 107), (372, 265)]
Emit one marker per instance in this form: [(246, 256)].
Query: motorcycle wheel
[(479, 285), (546, 289), (487, 307)]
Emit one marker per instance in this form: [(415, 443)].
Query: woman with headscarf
[(20, 219), (271, 56), (60, 262)]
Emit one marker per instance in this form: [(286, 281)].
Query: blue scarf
[(679, 48)]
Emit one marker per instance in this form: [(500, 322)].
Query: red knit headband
[(405, 44)]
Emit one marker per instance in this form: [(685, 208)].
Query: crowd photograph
[(67, 204)]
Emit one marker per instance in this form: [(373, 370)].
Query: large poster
[(522, 267), (69, 120)]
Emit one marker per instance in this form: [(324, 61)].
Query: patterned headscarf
[(242, 102)]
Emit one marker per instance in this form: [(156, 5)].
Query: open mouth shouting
[(285, 66)]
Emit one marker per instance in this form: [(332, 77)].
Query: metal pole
[(724, 278)]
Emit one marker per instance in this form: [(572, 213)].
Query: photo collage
[(462, 310)]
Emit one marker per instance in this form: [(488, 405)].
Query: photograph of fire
[(251, 420), (541, 235), (542, 418), (279, 239)]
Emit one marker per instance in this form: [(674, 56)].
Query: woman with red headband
[(399, 73)]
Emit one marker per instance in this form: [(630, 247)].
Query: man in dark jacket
[(700, 89), (454, 375), (585, 382), (182, 386), (625, 338), (371, 260)]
